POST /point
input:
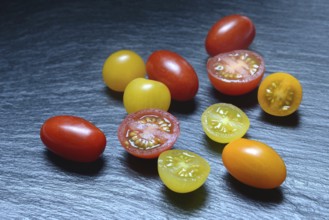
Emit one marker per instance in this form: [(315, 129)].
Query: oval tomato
[(73, 138), (254, 163), (182, 171), (147, 133), (224, 122), (146, 93), (236, 72), (280, 94), (121, 67), (233, 32), (175, 72)]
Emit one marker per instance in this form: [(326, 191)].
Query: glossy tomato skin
[(149, 132), (143, 93), (254, 163), (280, 94), (175, 72), (73, 138), (233, 32), (121, 67), (237, 72)]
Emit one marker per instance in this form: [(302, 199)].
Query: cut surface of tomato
[(280, 94), (223, 122), (182, 171), (236, 72), (149, 132)]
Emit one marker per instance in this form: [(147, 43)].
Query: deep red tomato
[(149, 132), (175, 72), (236, 72), (233, 32), (73, 138)]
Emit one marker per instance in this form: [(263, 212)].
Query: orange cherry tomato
[(280, 94), (254, 163), (73, 138)]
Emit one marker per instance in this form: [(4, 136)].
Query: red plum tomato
[(237, 72), (73, 138), (233, 32), (149, 132), (175, 72)]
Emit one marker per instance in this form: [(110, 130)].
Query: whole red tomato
[(233, 32), (175, 72), (73, 138)]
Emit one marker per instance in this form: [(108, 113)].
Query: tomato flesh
[(224, 122), (73, 138), (182, 171), (175, 72), (280, 94), (147, 133), (254, 163), (233, 32), (237, 72)]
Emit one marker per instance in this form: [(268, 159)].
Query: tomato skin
[(175, 72), (239, 85), (254, 163), (73, 138), (144, 124), (143, 93), (233, 32), (280, 94), (121, 67), (182, 171)]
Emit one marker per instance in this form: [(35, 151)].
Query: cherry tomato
[(182, 171), (121, 67), (236, 72), (147, 133), (73, 138), (145, 93), (175, 72), (233, 32), (224, 122), (280, 94), (254, 163)]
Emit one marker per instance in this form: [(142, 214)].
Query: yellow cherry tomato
[(143, 93), (182, 171), (280, 94), (254, 163), (122, 67)]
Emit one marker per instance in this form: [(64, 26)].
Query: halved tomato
[(280, 94), (236, 72), (149, 132), (224, 122)]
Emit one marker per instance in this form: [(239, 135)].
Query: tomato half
[(146, 93), (236, 72), (182, 171), (280, 94), (147, 133), (121, 67), (233, 32), (73, 138), (224, 122), (175, 72), (254, 163)]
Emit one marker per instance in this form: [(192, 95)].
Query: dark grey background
[(51, 58)]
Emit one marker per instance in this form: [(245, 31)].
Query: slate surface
[(51, 57)]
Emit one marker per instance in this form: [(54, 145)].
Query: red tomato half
[(233, 32), (73, 138), (175, 72), (149, 132), (236, 72)]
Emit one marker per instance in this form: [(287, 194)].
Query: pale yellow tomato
[(143, 93), (122, 67)]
